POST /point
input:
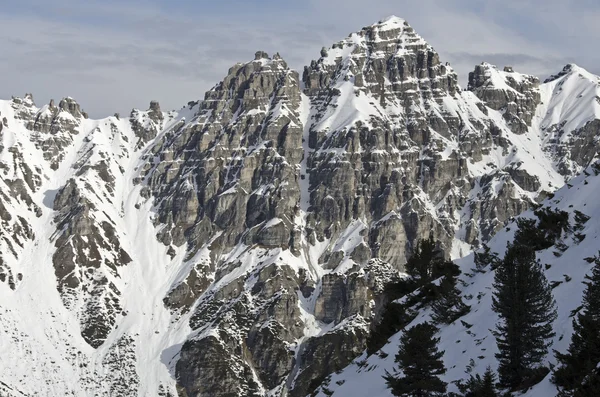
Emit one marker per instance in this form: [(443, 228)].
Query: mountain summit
[(241, 245)]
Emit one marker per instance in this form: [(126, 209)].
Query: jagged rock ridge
[(239, 246)]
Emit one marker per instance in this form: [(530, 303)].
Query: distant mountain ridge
[(239, 245)]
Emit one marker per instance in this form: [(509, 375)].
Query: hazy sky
[(113, 55)]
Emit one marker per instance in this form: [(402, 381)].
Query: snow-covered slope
[(568, 116), (239, 246), (468, 343), (114, 275)]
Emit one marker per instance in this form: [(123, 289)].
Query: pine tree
[(523, 299), (583, 355), (421, 364)]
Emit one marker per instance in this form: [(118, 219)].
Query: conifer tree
[(449, 305), (420, 363), (524, 302), (420, 264), (485, 258), (590, 386), (427, 263), (478, 386), (583, 355), (487, 388), (394, 317)]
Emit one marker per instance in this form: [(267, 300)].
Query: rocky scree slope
[(239, 246)]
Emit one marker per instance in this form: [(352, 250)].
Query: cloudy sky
[(113, 55)]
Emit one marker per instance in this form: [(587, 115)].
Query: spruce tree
[(477, 386), (487, 387), (583, 355), (523, 300), (420, 363)]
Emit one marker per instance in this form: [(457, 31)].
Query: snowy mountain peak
[(569, 117), (391, 22), (382, 60), (488, 76), (572, 68), (261, 55), (391, 36), (577, 86), (29, 98), (154, 106), (71, 106), (240, 246), (392, 29), (514, 94)]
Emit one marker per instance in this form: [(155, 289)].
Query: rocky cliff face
[(239, 246), (516, 96)]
